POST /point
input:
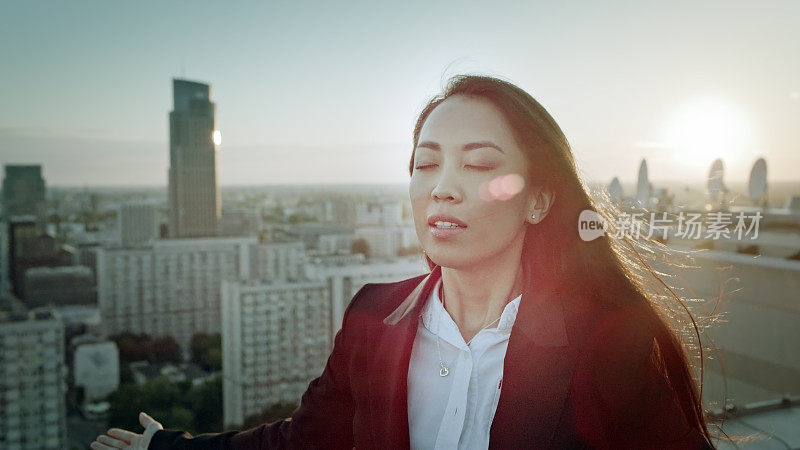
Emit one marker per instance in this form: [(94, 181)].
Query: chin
[(453, 259)]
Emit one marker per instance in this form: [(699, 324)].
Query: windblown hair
[(612, 269)]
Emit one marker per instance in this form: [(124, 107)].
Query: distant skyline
[(328, 93)]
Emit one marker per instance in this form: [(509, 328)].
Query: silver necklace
[(443, 370)]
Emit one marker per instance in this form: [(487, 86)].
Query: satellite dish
[(615, 190), (643, 185), (715, 186), (757, 186)]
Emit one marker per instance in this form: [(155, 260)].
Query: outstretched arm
[(118, 438)]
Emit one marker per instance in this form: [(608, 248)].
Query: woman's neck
[(476, 296)]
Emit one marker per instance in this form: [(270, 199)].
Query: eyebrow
[(471, 146)]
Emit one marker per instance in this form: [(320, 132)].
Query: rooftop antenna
[(615, 190), (757, 187), (643, 187), (715, 187)]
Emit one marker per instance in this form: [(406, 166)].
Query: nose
[(446, 188)]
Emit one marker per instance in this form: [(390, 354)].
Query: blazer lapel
[(536, 376), (388, 377), (536, 372)]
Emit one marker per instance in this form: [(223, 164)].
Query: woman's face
[(468, 184)]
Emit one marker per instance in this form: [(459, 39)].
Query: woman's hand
[(124, 439)]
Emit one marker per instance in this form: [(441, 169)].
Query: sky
[(328, 92)]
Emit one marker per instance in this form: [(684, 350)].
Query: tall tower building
[(193, 190), (23, 191)]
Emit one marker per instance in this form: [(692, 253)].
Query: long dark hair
[(613, 270)]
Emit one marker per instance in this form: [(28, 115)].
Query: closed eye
[(425, 166), (479, 168)]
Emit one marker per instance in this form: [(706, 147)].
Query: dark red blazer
[(576, 374)]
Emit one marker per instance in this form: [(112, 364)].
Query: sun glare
[(705, 129), (217, 137)]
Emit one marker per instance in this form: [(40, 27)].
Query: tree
[(125, 372), (206, 402), (167, 402), (142, 347), (206, 351), (132, 347), (181, 418), (165, 349), (360, 246), (162, 391), (126, 404)]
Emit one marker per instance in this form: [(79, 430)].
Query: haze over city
[(324, 93), (205, 206)]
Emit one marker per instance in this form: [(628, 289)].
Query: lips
[(445, 221)]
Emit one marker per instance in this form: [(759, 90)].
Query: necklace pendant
[(444, 371)]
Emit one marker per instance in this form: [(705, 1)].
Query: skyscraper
[(193, 189), (23, 191)]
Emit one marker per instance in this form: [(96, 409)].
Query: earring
[(533, 216)]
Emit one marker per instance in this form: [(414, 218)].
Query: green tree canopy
[(196, 409), (142, 347), (206, 351)]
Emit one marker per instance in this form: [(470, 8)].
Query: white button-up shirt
[(455, 411)]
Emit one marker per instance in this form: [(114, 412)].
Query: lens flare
[(503, 188), (216, 136)]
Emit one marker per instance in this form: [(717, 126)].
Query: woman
[(521, 336)]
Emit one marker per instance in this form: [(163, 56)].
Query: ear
[(542, 199)]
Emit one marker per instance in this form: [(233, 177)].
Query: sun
[(705, 129)]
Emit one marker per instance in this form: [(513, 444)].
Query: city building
[(383, 242), (28, 247), (755, 357), (144, 371), (137, 223), (313, 235), (194, 197), (339, 211), (78, 319), (275, 340), (59, 286), (381, 225), (278, 261), (332, 244), (344, 280), (169, 287), (5, 261), (23, 191), (95, 367), (239, 222), (383, 212), (32, 382)]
